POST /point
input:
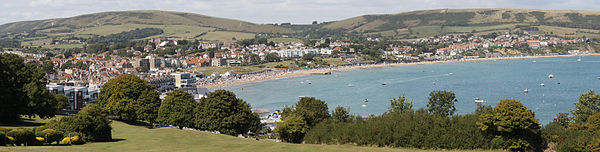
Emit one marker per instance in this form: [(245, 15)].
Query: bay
[(489, 80)]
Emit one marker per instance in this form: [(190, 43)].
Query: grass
[(284, 40), (137, 138), (569, 32), (224, 35), (64, 46)]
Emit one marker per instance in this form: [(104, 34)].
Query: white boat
[(550, 76), (350, 85), (477, 100), (579, 60), (542, 84), (364, 106), (526, 91)]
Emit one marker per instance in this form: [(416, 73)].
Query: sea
[(491, 80)]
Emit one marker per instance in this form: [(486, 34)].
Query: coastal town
[(80, 76)]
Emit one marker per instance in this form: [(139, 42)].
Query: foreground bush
[(53, 136), (90, 122), (418, 129)]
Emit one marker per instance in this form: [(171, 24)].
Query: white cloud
[(267, 11)]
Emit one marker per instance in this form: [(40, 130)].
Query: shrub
[(3, 139), (4, 130), (90, 122), (73, 138), (53, 135), (24, 136)]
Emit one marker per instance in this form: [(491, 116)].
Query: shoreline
[(304, 72)]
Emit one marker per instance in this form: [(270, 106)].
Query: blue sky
[(266, 11)]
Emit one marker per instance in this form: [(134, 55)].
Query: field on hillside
[(224, 36), (129, 138), (284, 40)]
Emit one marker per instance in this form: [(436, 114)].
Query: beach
[(270, 75)]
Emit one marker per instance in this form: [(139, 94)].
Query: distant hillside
[(455, 21), (145, 17)]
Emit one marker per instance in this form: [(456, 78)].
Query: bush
[(72, 138), (90, 122), (23, 136), (3, 139), (53, 135)]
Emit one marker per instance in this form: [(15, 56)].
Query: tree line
[(508, 125), (133, 99)]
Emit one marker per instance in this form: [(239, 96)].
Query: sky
[(266, 11)]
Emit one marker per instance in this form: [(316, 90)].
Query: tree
[(120, 95), (48, 67), (254, 59), (400, 105), (311, 110), (292, 129), (23, 90), (272, 57), (594, 121), (514, 123), (61, 101), (177, 109), (67, 65), (67, 54), (341, 114), (148, 105), (308, 57), (223, 111), (562, 119), (588, 104), (441, 103)]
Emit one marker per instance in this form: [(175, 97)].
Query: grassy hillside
[(144, 17), (431, 22), (135, 138)]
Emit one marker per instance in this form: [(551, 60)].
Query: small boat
[(383, 83), (579, 60), (364, 105), (366, 100), (477, 100), (350, 85), (526, 91), (542, 84), (534, 61), (550, 76), (450, 73)]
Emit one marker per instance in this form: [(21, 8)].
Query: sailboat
[(579, 60)]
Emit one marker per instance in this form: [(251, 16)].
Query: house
[(218, 62)]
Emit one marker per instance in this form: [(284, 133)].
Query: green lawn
[(225, 35), (136, 138)]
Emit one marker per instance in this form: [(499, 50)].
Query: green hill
[(432, 22), (135, 138), (143, 17)]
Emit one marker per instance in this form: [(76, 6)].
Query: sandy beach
[(286, 74)]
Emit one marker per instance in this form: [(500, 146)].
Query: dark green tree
[(23, 90), (308, 57), (272, 57), (441, 103), (223, 111), (312, 110), (61, 101), (148, 105), (514, 123), (254, 59), (119, 96), (588, 104), (400, 105), (341, 114), (177, 109)]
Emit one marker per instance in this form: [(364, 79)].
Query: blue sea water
[(488, 80)]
